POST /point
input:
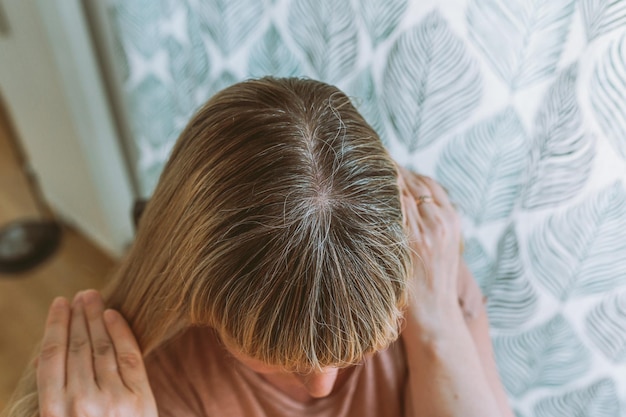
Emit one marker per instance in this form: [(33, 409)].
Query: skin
[(302, 387), (450, 362), (90, 364)]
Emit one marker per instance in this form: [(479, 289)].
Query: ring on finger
[(424, 199)]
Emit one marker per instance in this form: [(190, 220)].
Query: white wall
[(52, 87)]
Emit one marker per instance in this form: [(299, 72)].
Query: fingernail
[(109, 316), (77, 296), (88, 296), (59, 302)]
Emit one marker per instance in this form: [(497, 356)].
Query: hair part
[(279, 225)]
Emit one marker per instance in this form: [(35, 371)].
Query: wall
[(517, 106)]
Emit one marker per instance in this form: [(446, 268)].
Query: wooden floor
[(24, 298)]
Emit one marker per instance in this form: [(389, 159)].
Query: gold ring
[(424, 199)]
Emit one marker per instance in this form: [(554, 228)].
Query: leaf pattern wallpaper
[(518, 107)]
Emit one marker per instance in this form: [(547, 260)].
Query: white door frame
[(53, 87)]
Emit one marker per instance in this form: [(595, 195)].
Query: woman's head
[(277, 222)]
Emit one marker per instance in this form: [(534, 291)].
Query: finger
[(127, 352), (427, 203), (429, 211), (404, 197), (419, 220), (401, 179), (417, 237), (104, 362), (51, 362), (437, 191), (415, 188), (412, 181), (449, 213), (402, 171), (79, 357), (420, 190), (411, 218)]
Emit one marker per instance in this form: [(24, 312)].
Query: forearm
[(446, 376), (472, 300), (479, 329)]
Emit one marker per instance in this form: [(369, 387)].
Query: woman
[(284, 266)]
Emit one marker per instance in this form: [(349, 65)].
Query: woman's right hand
[(90, 364)]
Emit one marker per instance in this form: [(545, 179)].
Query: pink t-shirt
[(193, 375)]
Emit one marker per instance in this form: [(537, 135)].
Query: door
[(51, 84)]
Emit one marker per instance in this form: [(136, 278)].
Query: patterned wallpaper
[(518, 107)]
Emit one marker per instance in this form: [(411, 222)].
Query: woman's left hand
[(90, 364)]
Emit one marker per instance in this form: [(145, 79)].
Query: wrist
[(430, 329)]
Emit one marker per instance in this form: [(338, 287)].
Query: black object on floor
[(138, 209), (27, 243)]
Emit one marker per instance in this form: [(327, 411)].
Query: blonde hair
[(276, 221)]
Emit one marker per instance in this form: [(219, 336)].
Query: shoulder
[(175, 372)]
